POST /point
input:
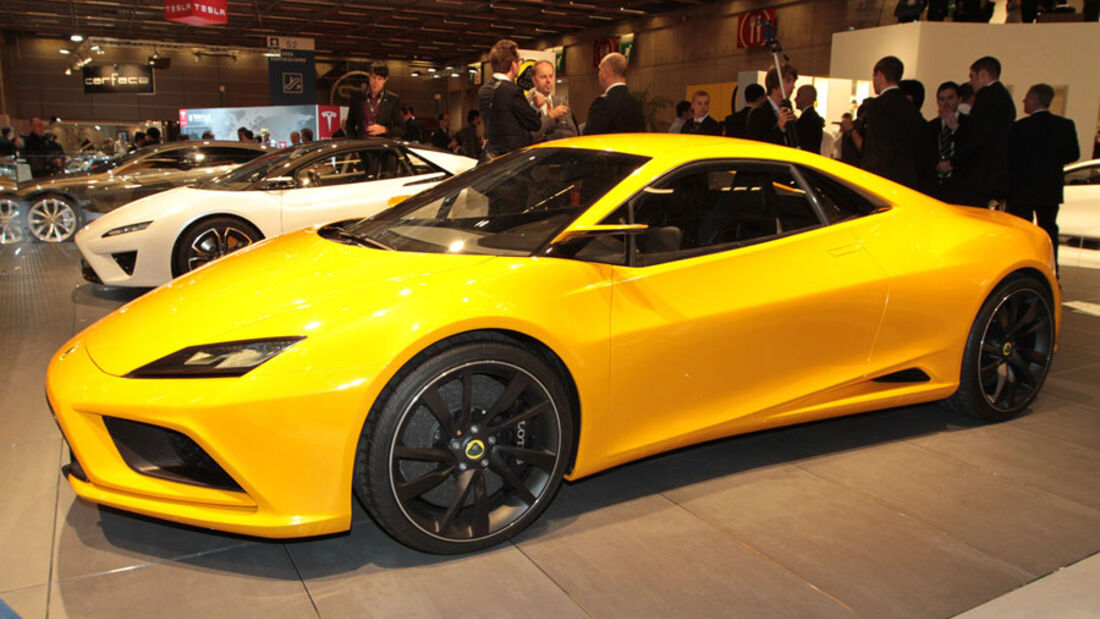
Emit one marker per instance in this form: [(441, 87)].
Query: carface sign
[(119, 79)]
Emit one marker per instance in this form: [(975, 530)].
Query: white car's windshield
[(511, 206), (243, 177)]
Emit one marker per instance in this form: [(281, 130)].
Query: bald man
[(615, 111), (810, 124)]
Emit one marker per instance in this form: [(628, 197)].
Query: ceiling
[(425, 29)]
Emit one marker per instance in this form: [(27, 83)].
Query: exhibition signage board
[(750, 32), (291, 75), (278, 120), (118, 79), (196, 12)]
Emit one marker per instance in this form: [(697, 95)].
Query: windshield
[(110, 164), (243, 177), (509, 207)]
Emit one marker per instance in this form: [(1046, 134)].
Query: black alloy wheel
[(209, 240), (1008, 352), (466, 450)]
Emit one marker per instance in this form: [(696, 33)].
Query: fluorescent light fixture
[(76, 38)]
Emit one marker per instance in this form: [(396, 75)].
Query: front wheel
[(1008, 352), (209, 240), (53, 219), (465, 450)]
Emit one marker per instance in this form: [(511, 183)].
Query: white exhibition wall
[(1060, 54)]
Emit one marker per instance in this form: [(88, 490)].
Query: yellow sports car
[(561, 310)]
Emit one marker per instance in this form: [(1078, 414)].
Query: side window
[(384, 163), (335, 169), (212, 156), (420, 166), (717, 207), (1084, 176), (838, 201), (164, 160)]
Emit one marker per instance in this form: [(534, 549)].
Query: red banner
[(749, 31), (328, 121), (196, 12)]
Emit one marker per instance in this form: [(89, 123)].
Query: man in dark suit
[(701, 122), (1038, 147), (981, 154), (413, 131), (736, 124), (774, 121), (375, 112), (616, 110), (940, 136), (893, 128), (811, 126), (509, 119)]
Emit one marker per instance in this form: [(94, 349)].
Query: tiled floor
[(912, 512)]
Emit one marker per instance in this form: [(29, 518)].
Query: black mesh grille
[(88, 272), (126, 261), (167, 454)]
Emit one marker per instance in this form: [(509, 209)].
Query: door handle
[(846, 249)]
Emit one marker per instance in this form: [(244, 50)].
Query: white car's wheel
[(209, 240)]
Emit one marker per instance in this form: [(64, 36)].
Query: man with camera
[(774, 121)]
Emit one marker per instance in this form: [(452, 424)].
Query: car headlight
[(215, 360), (126, 229)]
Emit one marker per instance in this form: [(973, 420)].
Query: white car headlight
[(127, 229)]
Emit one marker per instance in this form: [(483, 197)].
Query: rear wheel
[(209, 240), (53, 219), (1008, 352), (465, 450)]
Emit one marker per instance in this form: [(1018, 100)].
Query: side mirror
[(578, 232), (277, 183)]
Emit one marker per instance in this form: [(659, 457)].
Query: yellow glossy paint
[(663, 356)]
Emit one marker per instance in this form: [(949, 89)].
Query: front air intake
[(166, 454), (126, 260)]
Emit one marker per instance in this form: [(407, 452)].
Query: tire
[(209, 240), (11, 222), (52, 218), (465, 448), (1008, 352)]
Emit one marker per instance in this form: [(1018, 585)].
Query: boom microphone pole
[(772, 41)]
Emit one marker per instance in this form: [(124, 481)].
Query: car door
[(353, 182), (154, 173), (739, 299)]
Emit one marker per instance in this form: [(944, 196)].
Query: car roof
[(191, 143), (672, 147)]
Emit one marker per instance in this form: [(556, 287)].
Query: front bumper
[(134, 260), (288, 442)]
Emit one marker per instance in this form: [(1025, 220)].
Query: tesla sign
[(119, 79), (749, 31), (197, 12)]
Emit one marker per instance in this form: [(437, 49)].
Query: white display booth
[(1063, 55)]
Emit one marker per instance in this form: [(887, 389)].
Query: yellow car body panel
[(649, 351)]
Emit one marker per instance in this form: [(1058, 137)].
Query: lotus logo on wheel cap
[(1006, 350), (475, 449)]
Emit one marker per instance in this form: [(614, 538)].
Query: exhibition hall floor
[(910, 512)]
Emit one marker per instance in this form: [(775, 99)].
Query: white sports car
[(152, 240), (1079, 216)]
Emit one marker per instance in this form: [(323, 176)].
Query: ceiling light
[(415, 74), (455, 75), (64, 52), (68, 71), (76, 38)]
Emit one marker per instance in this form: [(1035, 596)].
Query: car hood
[(150, 208), (286, 286)]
